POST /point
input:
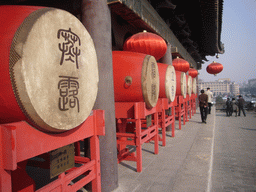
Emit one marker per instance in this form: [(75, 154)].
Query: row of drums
[(49, 71), (138, 77)]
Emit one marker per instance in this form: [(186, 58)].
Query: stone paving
[(182, 165), (234, 164)]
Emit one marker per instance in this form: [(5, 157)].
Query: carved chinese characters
[(70, 47), (68, 86)]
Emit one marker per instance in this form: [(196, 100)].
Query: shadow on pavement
[(247, 129), (221, 115), (128, 166), (148, 151)]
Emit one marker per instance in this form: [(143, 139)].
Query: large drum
[(136, 78), (181, 87), (167, 78), (189, 84), (194, 86), (49, 71)]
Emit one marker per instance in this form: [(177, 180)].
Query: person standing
[(241, 103), (203, 104), (210, 96), (234, 106), (229, 107)]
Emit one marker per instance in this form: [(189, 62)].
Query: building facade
[(234, 89), (220, 87)]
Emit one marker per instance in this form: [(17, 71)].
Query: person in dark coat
[(241, 103), (229, 107), (203, 104)]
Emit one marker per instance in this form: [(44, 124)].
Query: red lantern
[(180, 65), (147, 43), (214, 68), (192, 72)]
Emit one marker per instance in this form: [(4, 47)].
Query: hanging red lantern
[(147, 43), (214, 68), (180, 65), (192, 72)]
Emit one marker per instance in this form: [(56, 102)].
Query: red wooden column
[(5, 180), (138, 145), (95, 154), (188, 108), (156, 140), (180, 109)]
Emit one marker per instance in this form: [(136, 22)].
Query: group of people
[(205, 104), (233, 106)]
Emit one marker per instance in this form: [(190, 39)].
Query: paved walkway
[(184, 164), (234, 157)]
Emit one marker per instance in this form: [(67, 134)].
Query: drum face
[(181, 88), (194, 88), (167, 78), (150, 81), (170, 83), (189, 85), (53, 69), (183, 85)]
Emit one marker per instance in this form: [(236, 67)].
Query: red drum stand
[(188, 108), (180, 109), (166, 111), (20, 142), (132, 129)]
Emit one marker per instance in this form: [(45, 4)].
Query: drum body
[(189, 84), (181, 88), (167, 78), (136, 78), (49, 71), (194, 86)]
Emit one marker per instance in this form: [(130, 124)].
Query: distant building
[(234, 89), (252, 82), (227, 80), (220, 87)]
